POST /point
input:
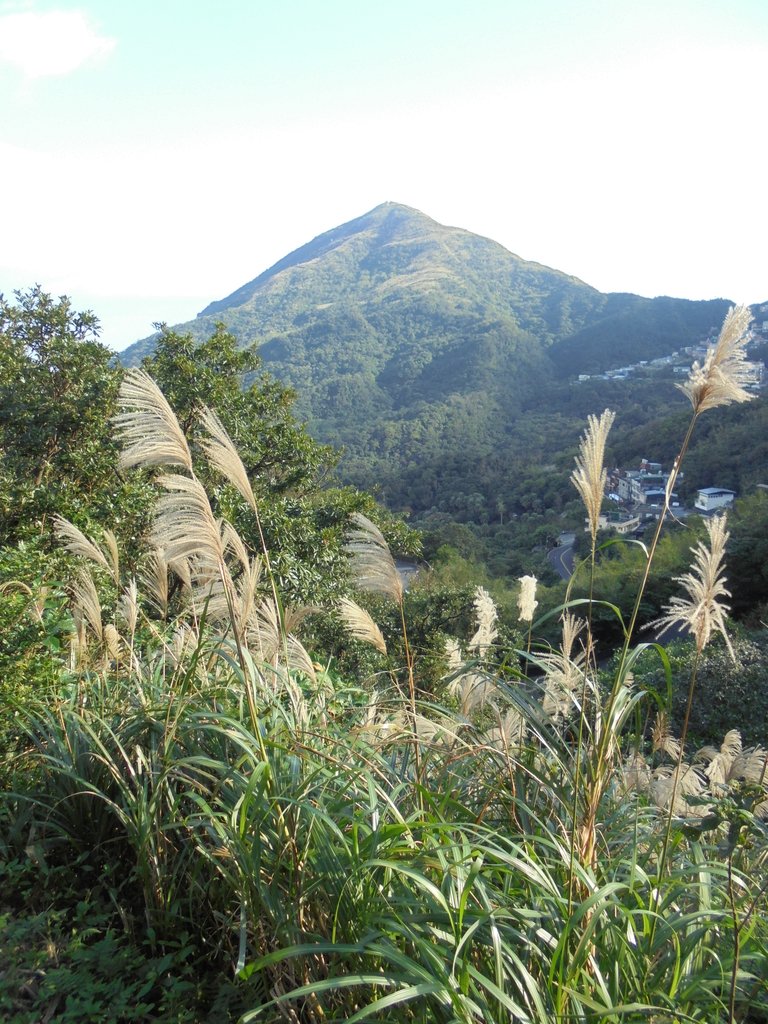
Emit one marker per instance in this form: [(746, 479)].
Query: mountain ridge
[(381, 217), (437, 358)]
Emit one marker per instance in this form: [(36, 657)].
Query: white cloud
[(50, 43)]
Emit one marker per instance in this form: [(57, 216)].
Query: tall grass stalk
[(354, 856)]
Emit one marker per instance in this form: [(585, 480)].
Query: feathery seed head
[(486, 616), (509, 736), (148, 428), (128, 606), (701, 612), (373, 566), (453, 655), (75, 540), (590, 475), (224, 457), (526, 599), (360, 624), (662, 738), (563, 671), (720, 379)]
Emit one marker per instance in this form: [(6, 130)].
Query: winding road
[(561, 558)]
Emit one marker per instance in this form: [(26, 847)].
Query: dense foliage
[(446, 368), (207, 814)]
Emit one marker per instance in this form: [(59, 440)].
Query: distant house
[(644, 486), (710, 499), (614, 521)]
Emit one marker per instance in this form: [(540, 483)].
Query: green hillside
[(444, 364)]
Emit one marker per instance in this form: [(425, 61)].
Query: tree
[(57, 391), (255, 408)]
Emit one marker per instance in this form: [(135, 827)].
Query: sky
[(158, 154)]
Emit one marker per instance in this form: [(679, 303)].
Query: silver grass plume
[(673, 785), (224, 457), (113, 644), (662, 738), (185, 527), (148, 430), (110, 544), (470, 687), (590, 474), (719, 771), (271, 632), (485, 617), (373, 566), (233, 542), (526, 598), (182, 568), (509, 735), (637, 775), (563, 671), (154, 581), (473, 690), (247, 592), (720, 379), (86, 605), (360, 624), (453, 654), (128, 606), (298, 658), (701, 612), (183, 642), (76, 542), (264, 630)]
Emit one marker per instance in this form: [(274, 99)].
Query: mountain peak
[(388, 217)]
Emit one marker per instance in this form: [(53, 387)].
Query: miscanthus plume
[(720, 379), (526, 599), (590, 474), (701, 611)]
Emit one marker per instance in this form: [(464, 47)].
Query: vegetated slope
[(437, 358)]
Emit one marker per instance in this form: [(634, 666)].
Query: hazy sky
[(157, 154)]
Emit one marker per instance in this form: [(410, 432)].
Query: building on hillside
[(754, 374), (710, 499), (644, 486), (615, 521)]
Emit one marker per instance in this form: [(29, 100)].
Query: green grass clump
[(201, 822)]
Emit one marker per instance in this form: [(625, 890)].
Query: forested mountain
[(445, 365)]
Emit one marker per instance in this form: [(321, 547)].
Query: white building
[(710, 499)]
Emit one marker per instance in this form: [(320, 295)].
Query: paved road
[(561, 560)]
